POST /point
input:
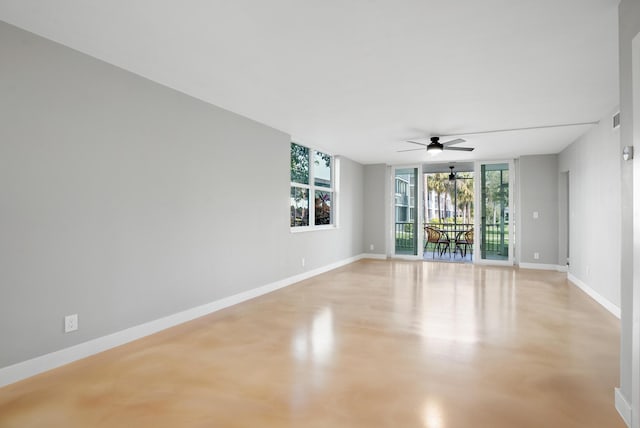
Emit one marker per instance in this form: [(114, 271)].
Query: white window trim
[(312, 188)]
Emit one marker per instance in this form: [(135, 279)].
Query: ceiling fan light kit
[(434, 148)]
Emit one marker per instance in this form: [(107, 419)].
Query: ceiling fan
[(435, 146)]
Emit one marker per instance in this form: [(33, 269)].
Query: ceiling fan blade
[(452, 142), (461, 149), (409, 150), (415, 142)]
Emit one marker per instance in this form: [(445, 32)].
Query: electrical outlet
[(70, 323), (536, 256), (303, 262), (371, 247)]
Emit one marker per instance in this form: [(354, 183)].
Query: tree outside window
[(311, 175)]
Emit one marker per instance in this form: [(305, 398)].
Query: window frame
[(312, 188)]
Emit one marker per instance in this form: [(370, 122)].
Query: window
[(311, 176)]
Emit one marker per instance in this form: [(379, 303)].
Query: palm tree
[(465, 194), (438, 184)]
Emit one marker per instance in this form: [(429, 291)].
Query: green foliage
[(325, 157), (299, 164), (448, 191), (496, 194), (438, 182)]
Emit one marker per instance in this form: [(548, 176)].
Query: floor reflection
[(312, 347), (436, 302), (432, 415), (314, 343)]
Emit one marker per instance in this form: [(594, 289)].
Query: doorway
[(406, 219), (495, 212), (448, 212)]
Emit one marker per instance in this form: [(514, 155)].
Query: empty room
[(319, 214)]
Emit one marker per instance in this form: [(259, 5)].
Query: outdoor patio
[(430, 256), (495, 236)]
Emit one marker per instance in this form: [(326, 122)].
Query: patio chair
[(464, 241), (439, 239)]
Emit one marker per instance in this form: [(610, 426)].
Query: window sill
[(301, 229)]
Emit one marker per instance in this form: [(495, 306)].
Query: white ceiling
[(358, 77)]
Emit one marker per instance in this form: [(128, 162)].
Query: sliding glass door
[(406, 232), (495, 225), (449, 208)]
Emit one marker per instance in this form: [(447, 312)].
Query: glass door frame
[(419, 230), (478, 214)]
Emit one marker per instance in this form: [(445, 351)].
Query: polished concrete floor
[(372, 344)]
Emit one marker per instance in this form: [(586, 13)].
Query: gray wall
[(594, 213), (629, 27), (538, 191), (125, 201), (374, 208)]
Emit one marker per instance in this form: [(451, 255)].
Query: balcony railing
[(496, 241), (496, 236), (405, 238)]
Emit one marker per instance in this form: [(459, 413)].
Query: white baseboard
[(34, 366), (542, 266), (623, 407), (595, 295), (374, 256), (406, 257)]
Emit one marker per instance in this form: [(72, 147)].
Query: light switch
[(535, 214)]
